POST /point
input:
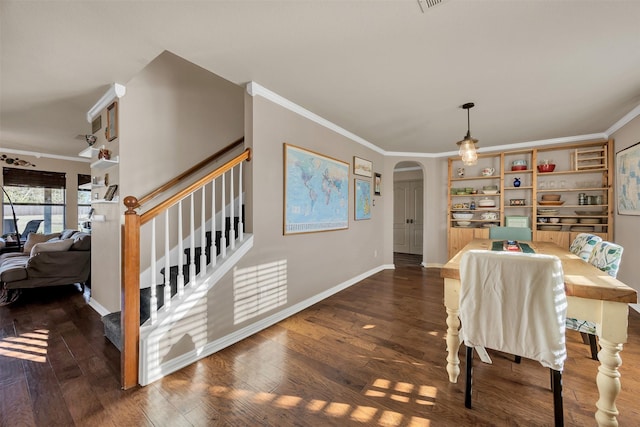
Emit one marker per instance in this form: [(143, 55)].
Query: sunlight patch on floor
[(30, 346), (367, 415)]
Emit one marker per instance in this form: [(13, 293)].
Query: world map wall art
[(316, 192)]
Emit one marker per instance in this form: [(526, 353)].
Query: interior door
[(401, 216), (408, 221)]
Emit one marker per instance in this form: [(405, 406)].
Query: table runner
[(498, 245)]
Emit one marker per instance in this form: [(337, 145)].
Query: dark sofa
[(62, 260)]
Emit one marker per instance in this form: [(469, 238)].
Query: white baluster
[(192, 242), (153, 301), (203, 234), (180, 278), (232, 213), (167, 263), (240, 192), (214, 248), (223, 227)]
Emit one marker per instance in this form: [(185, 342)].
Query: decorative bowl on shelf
[(487, 203), (551, 197), (463, 223), (589, 220), (519, 168), (489, 216), (491, 192), (554, 227), (462, 215), (568, 220), (546, 167)]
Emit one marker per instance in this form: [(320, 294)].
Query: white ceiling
[(383, 70)]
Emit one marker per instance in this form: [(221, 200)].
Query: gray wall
[(627, 227), (311, 263)]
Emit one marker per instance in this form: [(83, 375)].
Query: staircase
[(181, 235), (112, 326)]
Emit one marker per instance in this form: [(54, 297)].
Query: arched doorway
[(408, 213)]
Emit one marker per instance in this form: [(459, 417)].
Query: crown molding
[(623, 121), (45, 155), (116, 90), (255, 89)]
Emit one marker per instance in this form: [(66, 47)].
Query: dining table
[(592, 295)]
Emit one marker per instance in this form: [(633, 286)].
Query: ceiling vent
[(426, 4)]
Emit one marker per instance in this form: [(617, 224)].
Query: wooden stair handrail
[(173, 182), (132, 203)]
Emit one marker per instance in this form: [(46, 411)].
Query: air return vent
[(426, 4)]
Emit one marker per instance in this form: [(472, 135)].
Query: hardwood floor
[(372, 355)]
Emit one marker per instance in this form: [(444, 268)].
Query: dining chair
[(607, 257), (524, 317), (510, 233), (583, 245)]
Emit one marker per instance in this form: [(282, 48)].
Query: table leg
[(608, 381), (453, 344)]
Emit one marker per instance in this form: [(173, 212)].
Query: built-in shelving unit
[(582, 179)]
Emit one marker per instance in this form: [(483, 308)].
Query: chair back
[(607, 257), (583, 245), (510, 233), (515, 303)]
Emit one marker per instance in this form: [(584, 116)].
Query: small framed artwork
[(111, 191), (363, 199), (377, 184), (112, 121), (362, 167), (628, 180)]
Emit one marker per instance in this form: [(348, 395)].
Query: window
[(84, 196), (33, 196)]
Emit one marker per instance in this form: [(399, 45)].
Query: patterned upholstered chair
[(584, 244), (606, 256)]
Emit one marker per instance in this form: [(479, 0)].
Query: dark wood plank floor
[(372, 355)]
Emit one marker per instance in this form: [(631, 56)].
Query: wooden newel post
[(130, 295)]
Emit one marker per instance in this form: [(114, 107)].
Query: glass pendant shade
[(468, 150), (468, 144)]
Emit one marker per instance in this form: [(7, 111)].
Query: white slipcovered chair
[(514, 303)]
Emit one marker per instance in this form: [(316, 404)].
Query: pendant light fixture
[(468, 144)]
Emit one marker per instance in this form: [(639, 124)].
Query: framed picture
[(362, 167), (363, 199), (628, 180), (111, 191), (377, 184), (112, 121), (316, 192)]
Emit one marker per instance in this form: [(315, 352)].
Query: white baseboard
[(432, 265), (208, 349), (98, 307)]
